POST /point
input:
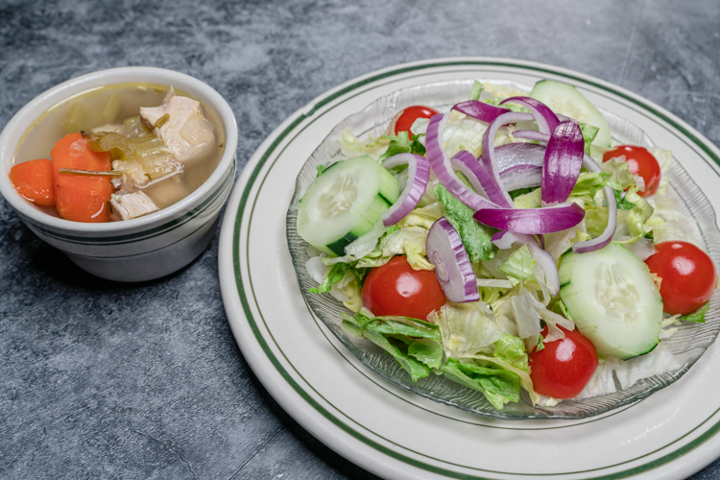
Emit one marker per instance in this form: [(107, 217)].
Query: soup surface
[(105, 108)]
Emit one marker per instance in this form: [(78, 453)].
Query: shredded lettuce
[(348, 293), (629, 372), (409, 241), (511, 350), (424, 217), (664, 159), (378, 148), (560, 242), (466, 328), (529, 200), (620, 176), (402, 144), (589, 184), (638, 215), (475, 237), (336, 274), (589, 132), (351, 146), (477, 90), (519, 266)]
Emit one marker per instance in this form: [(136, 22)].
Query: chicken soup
[(118, 152)]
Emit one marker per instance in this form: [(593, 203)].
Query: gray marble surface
[(105, 380)]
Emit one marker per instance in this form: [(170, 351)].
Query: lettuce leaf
[(620, 176), (498, 386), (336, 274), (639, 214), (401, 143), (466, 328), (697, 316), (589, 132), (415, 344), (511, 350), (529, 200), (475, 237), (477, 90), (429, 352), (519, 266), (423, 217), (589, 184), (409, 241)]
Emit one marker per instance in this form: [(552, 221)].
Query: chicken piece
[(133, 175), (186, 132), (132, 205)]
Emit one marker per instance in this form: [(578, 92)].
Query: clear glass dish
[(687, 344)]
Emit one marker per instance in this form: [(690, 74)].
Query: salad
[(507, 245)]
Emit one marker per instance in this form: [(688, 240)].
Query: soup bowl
[(143, 248)]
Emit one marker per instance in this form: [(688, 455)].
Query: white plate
[(390, 431)]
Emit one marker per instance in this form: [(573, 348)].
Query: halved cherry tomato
[(563, 367), (640, 162), (688, 276), (407, 117), (397, 289)]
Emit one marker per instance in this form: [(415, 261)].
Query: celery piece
[(76, 119), (114, 143)]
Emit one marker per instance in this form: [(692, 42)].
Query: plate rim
[(231, 270)]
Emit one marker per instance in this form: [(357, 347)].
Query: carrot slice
[(34, 181), (80, 198)]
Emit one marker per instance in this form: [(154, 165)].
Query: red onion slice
[(454, 272), (466, 163), (480, 110), (531, 135), (520, 165), (545, 261), (512, 154), (521, 176), (496, 189), (418, 173), (546, 119), (532, 220), (563, 161), (440, 164), (591, 166)]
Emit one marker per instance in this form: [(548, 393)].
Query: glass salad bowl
[(687, 344)]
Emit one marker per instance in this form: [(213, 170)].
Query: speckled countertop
[(105, 380)]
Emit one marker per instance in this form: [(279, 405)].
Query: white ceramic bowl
[(144, 248)]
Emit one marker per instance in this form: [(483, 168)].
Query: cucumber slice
[(567, 100), (345, 202), (613, 300)]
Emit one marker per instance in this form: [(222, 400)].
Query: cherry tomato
[(640, 162), (563, 367), (397, 289), (407, 117), (688, 276)]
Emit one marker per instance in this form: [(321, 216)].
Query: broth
[(111, 105)]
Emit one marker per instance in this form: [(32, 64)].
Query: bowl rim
[(19, 124)]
